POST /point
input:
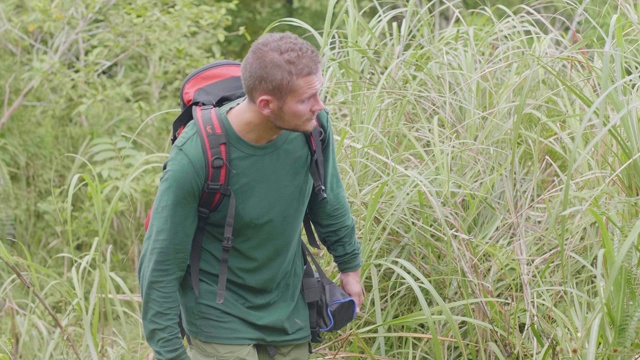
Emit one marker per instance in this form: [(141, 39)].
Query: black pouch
[(330, 307)]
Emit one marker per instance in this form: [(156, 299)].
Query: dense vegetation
[(490, 155)]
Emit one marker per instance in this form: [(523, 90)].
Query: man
[(263, 307)]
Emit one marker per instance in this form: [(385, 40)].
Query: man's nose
[(317, 105)]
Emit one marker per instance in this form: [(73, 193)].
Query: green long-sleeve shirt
[(263, 303)]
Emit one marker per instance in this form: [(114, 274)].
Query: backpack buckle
[(212, 187), (315, 335), (320, 190), (217, 187)]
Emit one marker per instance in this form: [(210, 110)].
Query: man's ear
[(266, 105)]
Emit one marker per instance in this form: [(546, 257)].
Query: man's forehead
[(310, 83)]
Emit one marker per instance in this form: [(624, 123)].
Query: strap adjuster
[(227, 242), (203, 212)]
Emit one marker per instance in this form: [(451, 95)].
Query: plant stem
[(44, 303)]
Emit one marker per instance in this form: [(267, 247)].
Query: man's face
[(298, 112)]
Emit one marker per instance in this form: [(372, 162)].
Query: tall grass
[(492, 165), (491, 162), (97, 210)]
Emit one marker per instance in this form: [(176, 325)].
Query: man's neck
[(251, 125)]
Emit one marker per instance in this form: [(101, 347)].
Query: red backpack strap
[(214, 147)]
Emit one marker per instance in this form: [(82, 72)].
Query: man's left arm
[(333, 221)]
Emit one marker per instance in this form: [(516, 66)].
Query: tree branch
[(16, 104)]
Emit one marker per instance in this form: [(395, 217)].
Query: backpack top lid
[(214, 84)]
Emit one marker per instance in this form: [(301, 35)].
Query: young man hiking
[(264, 314)]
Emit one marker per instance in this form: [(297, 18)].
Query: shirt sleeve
[(165, 254), (332, 217)]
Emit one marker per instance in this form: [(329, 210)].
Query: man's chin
[(307, 128), (302, 128)]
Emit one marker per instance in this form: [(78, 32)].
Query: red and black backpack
[(202, 93)]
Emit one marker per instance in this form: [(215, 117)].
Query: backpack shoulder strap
[(312, 291), (315, 140), (214, 147)]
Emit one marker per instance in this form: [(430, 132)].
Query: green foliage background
[(489, 150)]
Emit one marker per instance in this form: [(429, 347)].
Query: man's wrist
[(355, 272), (351, 265)]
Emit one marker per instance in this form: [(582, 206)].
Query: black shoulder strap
[(312, 281), (314, 140), (308, 229), (214, 147)]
